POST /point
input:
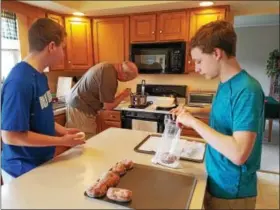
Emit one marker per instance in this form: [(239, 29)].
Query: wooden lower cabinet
[(60, 119), (108, 119), (191, 132)]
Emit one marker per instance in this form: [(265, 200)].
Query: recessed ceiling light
[(206, 3), (78, 13)]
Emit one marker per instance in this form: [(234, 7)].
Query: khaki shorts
[(80, 120), (211, 202)]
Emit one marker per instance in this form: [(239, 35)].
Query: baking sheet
[(191, 150), (156, 188)]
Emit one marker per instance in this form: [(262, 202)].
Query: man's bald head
[(129, 71)]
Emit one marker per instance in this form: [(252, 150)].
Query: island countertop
[(60, 183)]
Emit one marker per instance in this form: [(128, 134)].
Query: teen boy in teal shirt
[(235, 133)]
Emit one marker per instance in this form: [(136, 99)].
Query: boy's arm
[(247, 118), (16, 105)]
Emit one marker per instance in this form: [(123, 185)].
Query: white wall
[(253, 47)]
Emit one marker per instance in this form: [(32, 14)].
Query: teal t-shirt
[(237, 106)]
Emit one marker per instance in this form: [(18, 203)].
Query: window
[(10, 46)]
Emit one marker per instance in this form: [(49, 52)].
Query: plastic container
[(168, 151)]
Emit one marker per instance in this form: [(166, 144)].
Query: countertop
[(59, 111), (124, 106), (60, 183)]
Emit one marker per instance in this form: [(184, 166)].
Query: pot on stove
[(138, 99)]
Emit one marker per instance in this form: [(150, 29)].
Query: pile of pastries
[(106, 184)]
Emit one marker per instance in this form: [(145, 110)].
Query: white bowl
[(165, 101)]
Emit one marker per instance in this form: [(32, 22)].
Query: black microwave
[(159, 58)]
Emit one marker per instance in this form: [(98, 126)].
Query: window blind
[(9, 25)]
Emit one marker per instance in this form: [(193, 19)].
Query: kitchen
[(102, 27)]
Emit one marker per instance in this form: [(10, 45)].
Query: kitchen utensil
[(168, 151), (137, 99), (143, 87), (165, 101)]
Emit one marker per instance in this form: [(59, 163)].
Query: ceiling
[(100, 8)]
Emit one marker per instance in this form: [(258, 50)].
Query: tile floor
[(270, 150), (268, 191)]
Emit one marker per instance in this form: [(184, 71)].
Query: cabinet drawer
[(112, 115), (112, 124)]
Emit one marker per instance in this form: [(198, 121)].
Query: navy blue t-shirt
[(26, 106)]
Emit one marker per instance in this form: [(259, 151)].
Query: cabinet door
[(79, 43), (200, 17), (60, 119), (111, 39), (59, 20), (172, 26), (142, 28)]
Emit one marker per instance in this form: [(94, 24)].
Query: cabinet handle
[(153, 32), (69, 61), (189, 62), (112, 116), (160, 31)]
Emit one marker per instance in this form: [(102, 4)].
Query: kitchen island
[(60, 183)]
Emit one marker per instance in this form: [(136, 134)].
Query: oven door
[(151, 122), (151, 61)]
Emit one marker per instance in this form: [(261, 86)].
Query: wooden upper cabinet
[(143, 28), (79, 43), (200, 17), (61, 64), (111, 39), (172, 26)]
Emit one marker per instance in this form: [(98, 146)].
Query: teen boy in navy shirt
[(27, 122)]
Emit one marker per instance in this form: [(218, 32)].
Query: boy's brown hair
[(216, 34), (42, 32)]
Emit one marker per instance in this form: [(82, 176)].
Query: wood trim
[(139, 13), (24, 9), (226, 7)]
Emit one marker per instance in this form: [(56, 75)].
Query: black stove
[(164, 90), (127, 116)]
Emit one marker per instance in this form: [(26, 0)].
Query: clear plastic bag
[(169, 150)]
